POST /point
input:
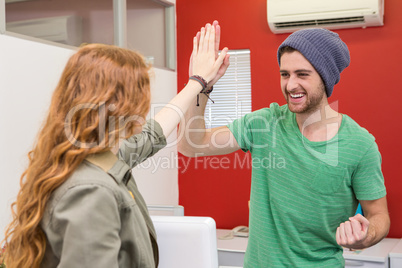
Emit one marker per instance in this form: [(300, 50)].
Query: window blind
[(232, 93)]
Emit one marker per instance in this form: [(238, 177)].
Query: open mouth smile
[(297, 96)]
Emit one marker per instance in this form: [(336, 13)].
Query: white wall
[(29, 72), (157, 178)]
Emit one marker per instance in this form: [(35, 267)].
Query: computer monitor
[(186, 241)]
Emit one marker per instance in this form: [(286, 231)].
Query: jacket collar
[(113, 166)]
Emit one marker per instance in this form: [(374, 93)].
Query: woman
[(78, 205)]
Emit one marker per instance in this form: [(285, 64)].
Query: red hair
[(99, 84)]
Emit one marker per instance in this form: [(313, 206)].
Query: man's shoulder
[(353, 130), (274, 110), (263, 117)]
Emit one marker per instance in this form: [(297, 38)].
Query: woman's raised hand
[(205, 61)]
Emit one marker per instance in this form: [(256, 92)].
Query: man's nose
[(292, 83)]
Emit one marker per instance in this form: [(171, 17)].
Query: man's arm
[(362, 232)]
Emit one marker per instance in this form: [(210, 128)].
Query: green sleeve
[(252, 129), (240, 131), (139, 147), (367, 179)]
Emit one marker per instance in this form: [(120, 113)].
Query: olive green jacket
[(98, 218)]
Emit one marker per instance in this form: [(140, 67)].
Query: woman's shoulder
[(89, 174), (87, 177)]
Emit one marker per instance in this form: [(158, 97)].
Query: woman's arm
[(206, 64)]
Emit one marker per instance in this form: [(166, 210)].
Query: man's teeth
[(297, 95)]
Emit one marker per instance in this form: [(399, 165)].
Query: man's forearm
[(378, 229), (364, 231)]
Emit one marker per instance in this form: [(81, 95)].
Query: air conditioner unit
[(63, 29), (286, 16)]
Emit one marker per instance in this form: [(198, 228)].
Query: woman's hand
[(205, 60)]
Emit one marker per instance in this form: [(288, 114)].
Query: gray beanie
[(324, 50)]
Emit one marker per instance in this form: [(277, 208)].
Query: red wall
[(369, 92)]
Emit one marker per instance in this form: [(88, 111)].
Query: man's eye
[(303, 74), (284, 74)]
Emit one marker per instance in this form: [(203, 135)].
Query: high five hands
[(205, 59), (352, 233)]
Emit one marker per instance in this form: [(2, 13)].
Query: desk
[(231, 252), (395, 255), (376, 256)]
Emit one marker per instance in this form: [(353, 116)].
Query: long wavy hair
[(102, 95)]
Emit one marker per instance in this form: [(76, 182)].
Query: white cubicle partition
[(29, 72), (186, 241), (395, 256)]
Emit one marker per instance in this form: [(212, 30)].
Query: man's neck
[(319, 125)]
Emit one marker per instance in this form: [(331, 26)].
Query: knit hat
[(324, 50)]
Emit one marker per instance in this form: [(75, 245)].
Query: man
[(302, 211)]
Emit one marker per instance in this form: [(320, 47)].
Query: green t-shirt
[(301, 190)]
